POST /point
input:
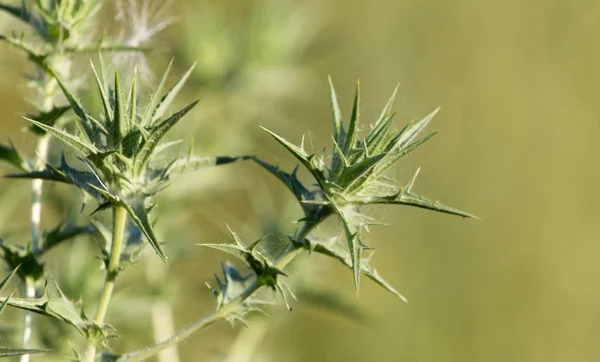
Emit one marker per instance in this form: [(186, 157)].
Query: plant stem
[(288, 256), (119, 223), (36, 216)]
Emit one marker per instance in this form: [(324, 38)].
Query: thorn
[(412, 182)]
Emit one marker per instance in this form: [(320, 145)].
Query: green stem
[(293, 250), (119, 223)]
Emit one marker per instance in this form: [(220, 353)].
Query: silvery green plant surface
[(355, 177), (58, 31), (119, 157)]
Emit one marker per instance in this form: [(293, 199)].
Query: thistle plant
[(121, 159), (61, 31), (354, 178)]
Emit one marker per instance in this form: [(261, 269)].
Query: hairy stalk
[(288, 256), (119, 223)]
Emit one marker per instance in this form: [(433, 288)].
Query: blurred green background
[(517, 82)]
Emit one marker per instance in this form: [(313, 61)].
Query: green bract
[(356, 174)]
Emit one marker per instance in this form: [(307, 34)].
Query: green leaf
[(353, 174), (168, 98), (395, 155), (68, 139), (6, 280), (11, 352), (352, 135), (289, 180), (266, 273), (57, 306), (23, 260), (87, 181), (13, 157), (411, 199), (183, 164), (3, 305), (132, 98), (384, 121), (413, 129), (154, 98), (336, 252), (88, 128), (120, 127), (355, 244), (139, 214), (336, 112), (103, 96), (62, 233), (49, 118), (305, 159), (146, 150)]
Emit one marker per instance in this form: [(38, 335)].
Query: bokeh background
[(518, 85)]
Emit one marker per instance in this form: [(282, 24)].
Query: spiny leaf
[(103, 96), (49, 174), (298, 152), (307, 160), (355, 244), (395, 155), (413, 129), (65, 232), (352, 134), (139, 214), (337, 113), (120, 127), (132, 98), (56, 305), (154, 98), (352, 175), (145, 152), (11, 352), (3, 305), (168, 98), (77, 108), (4, 282), (234, 250), (50, 118), (383, 122), (193, 163), (411, 199), (343, 257), (13, 157), (380, 135), (289, 180), (338, 128), (74, 142)]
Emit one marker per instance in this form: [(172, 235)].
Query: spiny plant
[(117, 149), (61, 31), (355, 177), (119, 158)]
